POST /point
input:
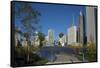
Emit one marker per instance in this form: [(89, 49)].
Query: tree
[(28, 18), (61, 35), (41, 38)]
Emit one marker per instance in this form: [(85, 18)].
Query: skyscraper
[(81, 29), (50, 37), (91, 24), (72, 37), (64, 39)]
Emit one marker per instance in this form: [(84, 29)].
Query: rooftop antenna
[(73, 21), (81, 13), (72, 24)]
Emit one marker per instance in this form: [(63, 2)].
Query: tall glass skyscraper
[(50, 37), (81, 29), (91, 23), (72, 37)]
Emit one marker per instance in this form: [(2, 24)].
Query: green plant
[(91, 52)]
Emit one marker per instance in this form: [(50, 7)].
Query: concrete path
[(65, 58)]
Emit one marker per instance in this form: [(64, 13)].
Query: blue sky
[(57, 17)]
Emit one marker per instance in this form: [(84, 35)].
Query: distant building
[(64, 39), (35, 41), (20, 40), (72, 35), (46, 40), (81, 29), (50, 37), (17, 37), (24, 43), (91, 23)]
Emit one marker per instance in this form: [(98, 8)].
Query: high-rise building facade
[(64, 39), (72, 35), (50, 37), (81, 29), (91, 24)]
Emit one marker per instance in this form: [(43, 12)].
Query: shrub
[(91, 52)]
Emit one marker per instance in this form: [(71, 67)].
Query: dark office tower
[(91, 23), (77, 34), (81, 29)]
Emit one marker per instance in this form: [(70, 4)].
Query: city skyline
[(53, 18)]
